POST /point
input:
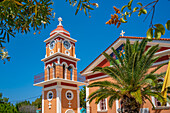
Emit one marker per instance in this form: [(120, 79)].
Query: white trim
[(162, 62), (60, 57), (58, 91), (55, 55), (78, 101), (42, 101), (67, 52), (59, 80), (69, 110), (69, 91), (162, 53), (117, 105), (51, 52), (57, 35), (48, 96), (103, 76), (87, 102)]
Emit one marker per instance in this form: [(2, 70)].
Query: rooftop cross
[(60, 19), (122, 33)]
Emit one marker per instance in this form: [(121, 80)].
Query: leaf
[(35, 10), (167, 25), (134, 9), (161, 28), (157, 34), (149, 33), (123, 8), (88, 7), (126, 13), (130, 4), (122, 20), (139, 3), (78, 7), (140, 12), (144, 11)]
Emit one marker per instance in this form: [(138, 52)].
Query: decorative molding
[(59, 35), (50, 58), (48, 96), (67, 52), (69, 91)]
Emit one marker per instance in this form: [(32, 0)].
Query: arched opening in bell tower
[(71, 72), (64, 71)]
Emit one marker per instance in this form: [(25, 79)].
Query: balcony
[(40, 78)]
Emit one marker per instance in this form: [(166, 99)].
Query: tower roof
[(60, 29)]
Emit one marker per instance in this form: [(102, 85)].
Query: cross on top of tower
[(122, 33), (60, 19)]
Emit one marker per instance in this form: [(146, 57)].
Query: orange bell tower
[(60, 93)]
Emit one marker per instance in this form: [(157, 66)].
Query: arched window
[(54, 70), (48, 74), (64, 71), (102, 106), (71, 72)]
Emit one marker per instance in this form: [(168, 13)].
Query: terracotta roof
[(130, 37), (60, 28)]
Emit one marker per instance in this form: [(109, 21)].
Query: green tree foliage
[(21, 16), (23, 103), (5, 106), (83, 97), (132, 84), (37, 102)]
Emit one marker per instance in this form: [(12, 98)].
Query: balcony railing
[(80, 78), (41, 77)]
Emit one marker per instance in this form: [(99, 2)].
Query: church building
[(101, 61), (59, 82)]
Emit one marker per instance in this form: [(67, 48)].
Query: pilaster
[(58, 91), (78, 101), (87, 103), (42, 101)]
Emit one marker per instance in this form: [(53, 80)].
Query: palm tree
[(132, 83)]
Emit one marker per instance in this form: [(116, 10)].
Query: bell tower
[(60, 93)]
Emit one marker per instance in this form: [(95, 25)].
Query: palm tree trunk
[(129, 105)]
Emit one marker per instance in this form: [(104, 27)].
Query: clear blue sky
[(92, 34)]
